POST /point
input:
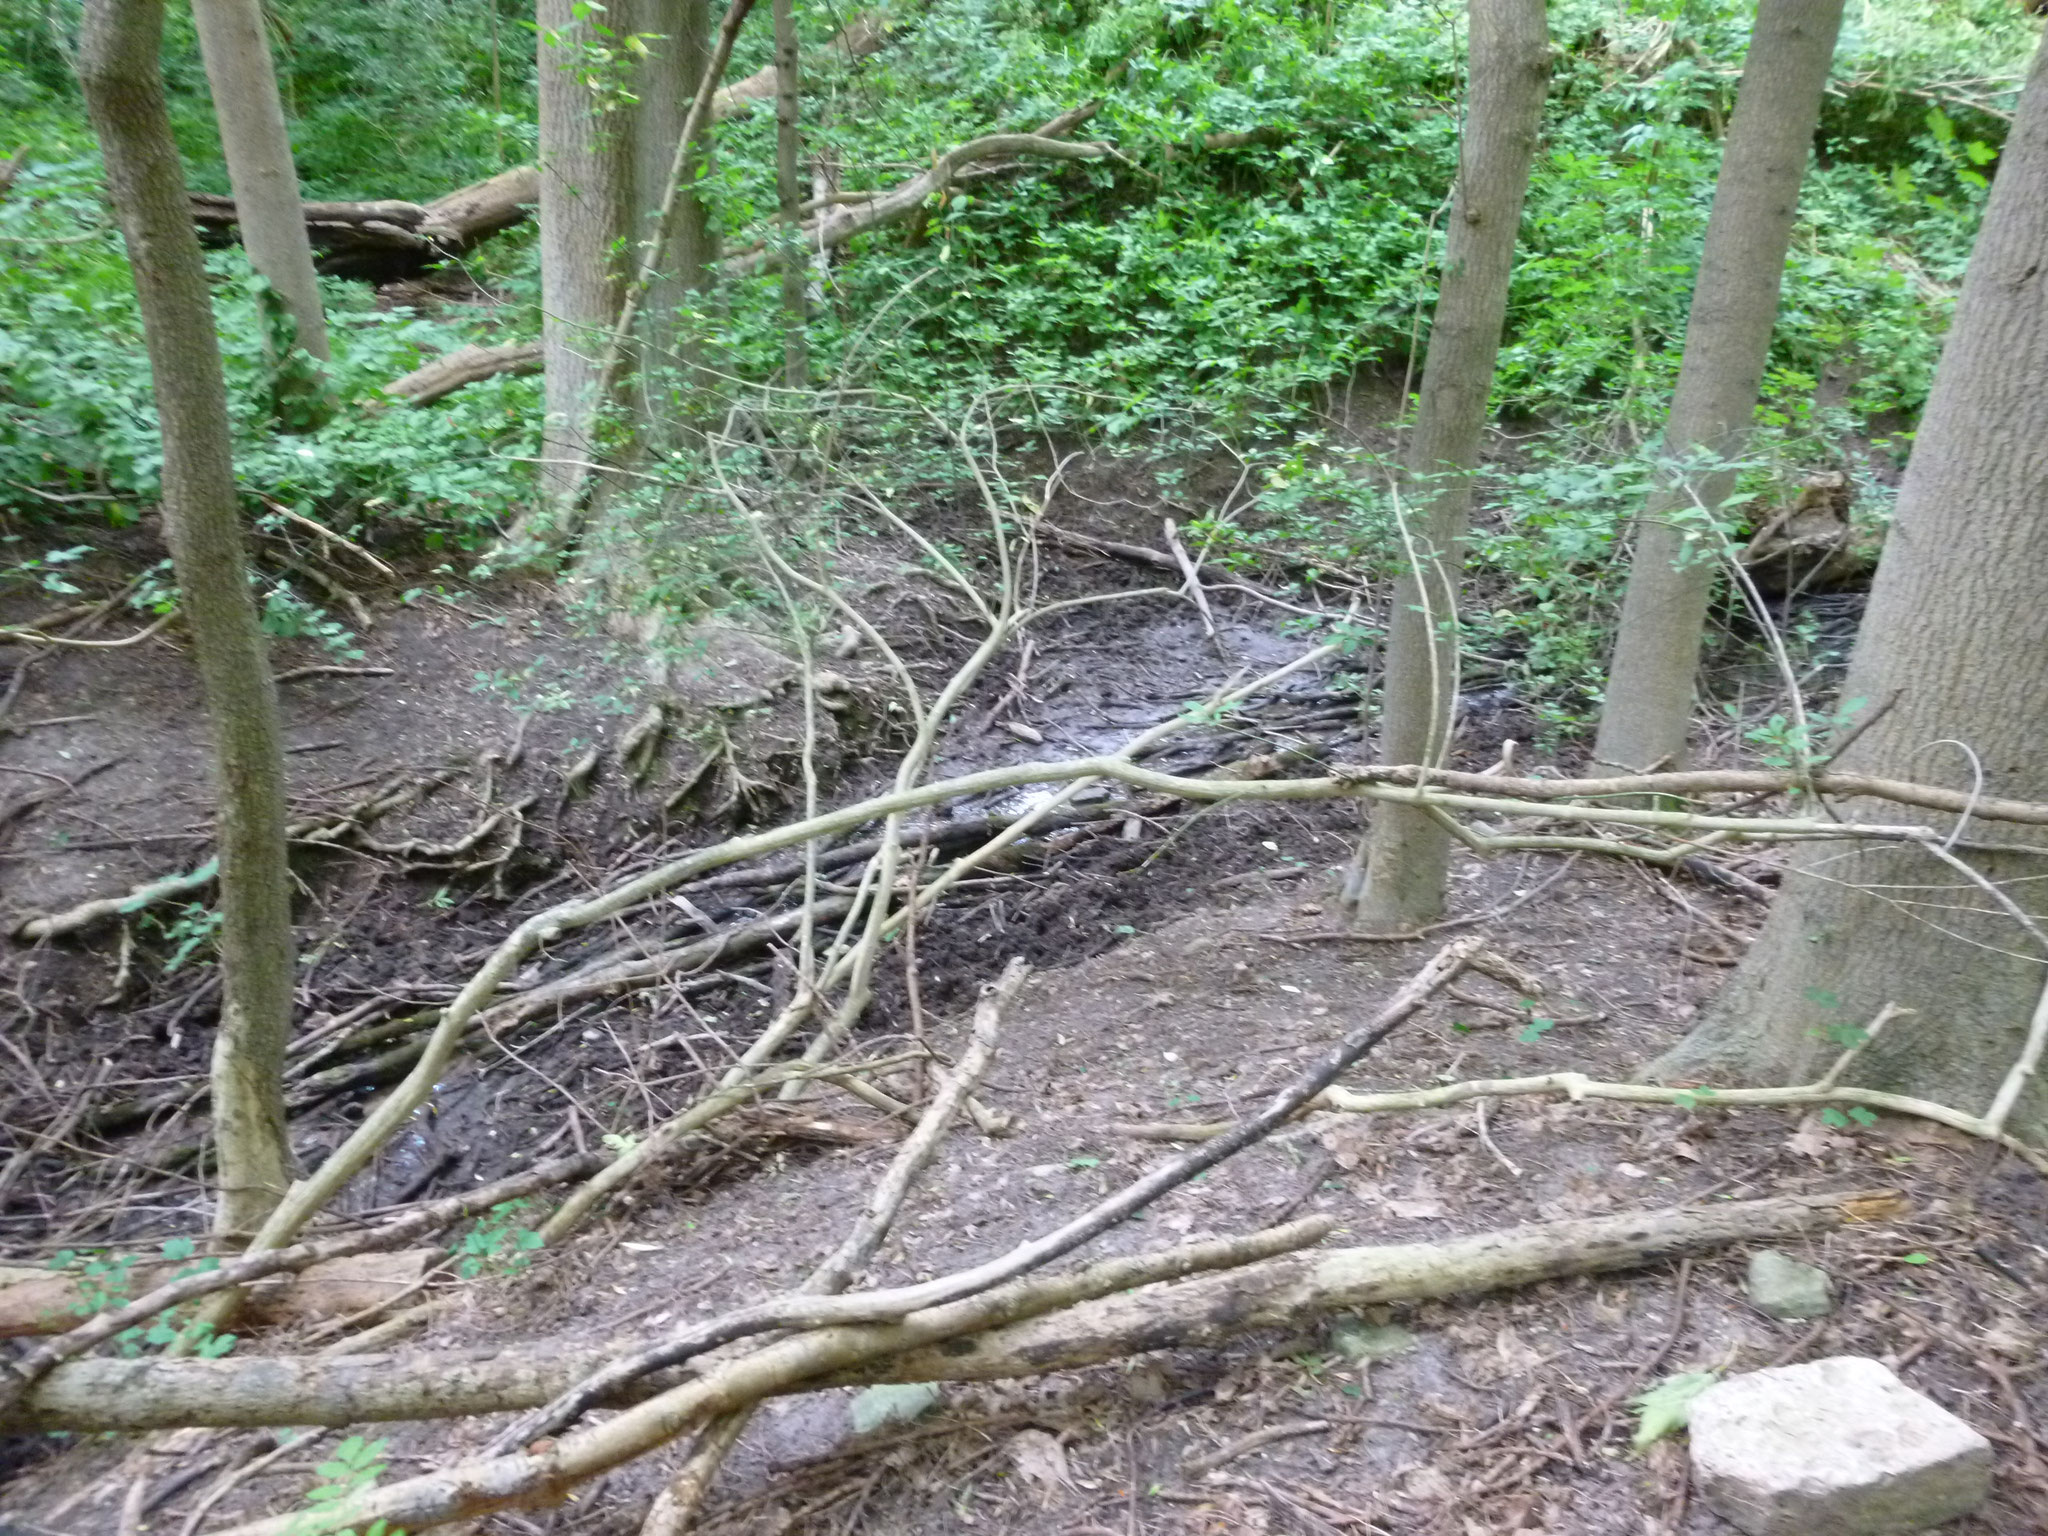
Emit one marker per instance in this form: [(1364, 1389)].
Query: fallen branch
[(866, 34), (145, 1394), (836, 226), (465, 365), (507, 1482), (389, 239), (676, 1506), (17, 1376)]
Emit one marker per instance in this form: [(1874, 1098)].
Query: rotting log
[(389, 239), (130, 1395)]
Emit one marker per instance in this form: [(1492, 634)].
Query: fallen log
[(465, 365), (40, 1302), (389, 239), (864, 35), (133, 1395)]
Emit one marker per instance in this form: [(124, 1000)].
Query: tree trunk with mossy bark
[(1727, 342), (1408, 853), (258, 149), (1955, 638), (118, 51)]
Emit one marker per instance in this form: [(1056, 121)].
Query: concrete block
[(1839, 1447)]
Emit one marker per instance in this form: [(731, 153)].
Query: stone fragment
[(1782, 1286), (1839, 1447)]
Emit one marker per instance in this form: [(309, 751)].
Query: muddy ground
[(1184, 968)]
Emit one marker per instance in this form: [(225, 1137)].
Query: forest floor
[(1186, 965)]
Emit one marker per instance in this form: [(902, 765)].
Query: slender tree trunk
[(1408, 854), (789, 194), (1727, 340), (258, 148), (118, 69), (1957, 631)]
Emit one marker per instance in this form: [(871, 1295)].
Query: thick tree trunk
[(666, 82), (583, 228), (1727, 340), (1409, 853), (1957, 632), (789, 196), (124, 92), (258, 148)]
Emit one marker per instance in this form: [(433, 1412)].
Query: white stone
[(1839, 1447)]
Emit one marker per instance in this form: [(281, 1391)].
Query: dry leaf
[(1813, 1139), (1516, 1354), (1041, 1461)]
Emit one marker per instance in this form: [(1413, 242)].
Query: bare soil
[(1184, 971)]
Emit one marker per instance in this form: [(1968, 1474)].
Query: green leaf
[(179, 1248), (1917, 1258), (1668, 1405), (1834, 1117), (1535, 1030)]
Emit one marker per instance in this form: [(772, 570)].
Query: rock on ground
[(1783, 1287), (1839, 1447)]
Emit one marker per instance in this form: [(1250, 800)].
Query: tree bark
[(1409, 853), (124, 93), (465, 365), (1957, 626), (583, 228), (789, 196), (1727, 341), (258, 148), (670, 350)]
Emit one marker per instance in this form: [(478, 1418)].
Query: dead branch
[(866, 34), (17, 1376), (465, 365), (1711, 781), (506, 1482), (145, 1394), (800, 1311), (389, 239), (676, 1506), (836, 226)]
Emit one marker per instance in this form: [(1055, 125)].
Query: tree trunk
[(258, 149), (666, 82), (1409, 854), (1727, 340), (1957, 631), (789, 196), (124, 93), (583, 228)]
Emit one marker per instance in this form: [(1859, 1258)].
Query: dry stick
[(311, 1194), (676, 1506), (1575, 1086), (481, 1486), (156, 1393), (23, 1373), (890, 1305), (1194, 579)]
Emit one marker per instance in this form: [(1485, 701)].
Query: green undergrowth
[(1185, 296)]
